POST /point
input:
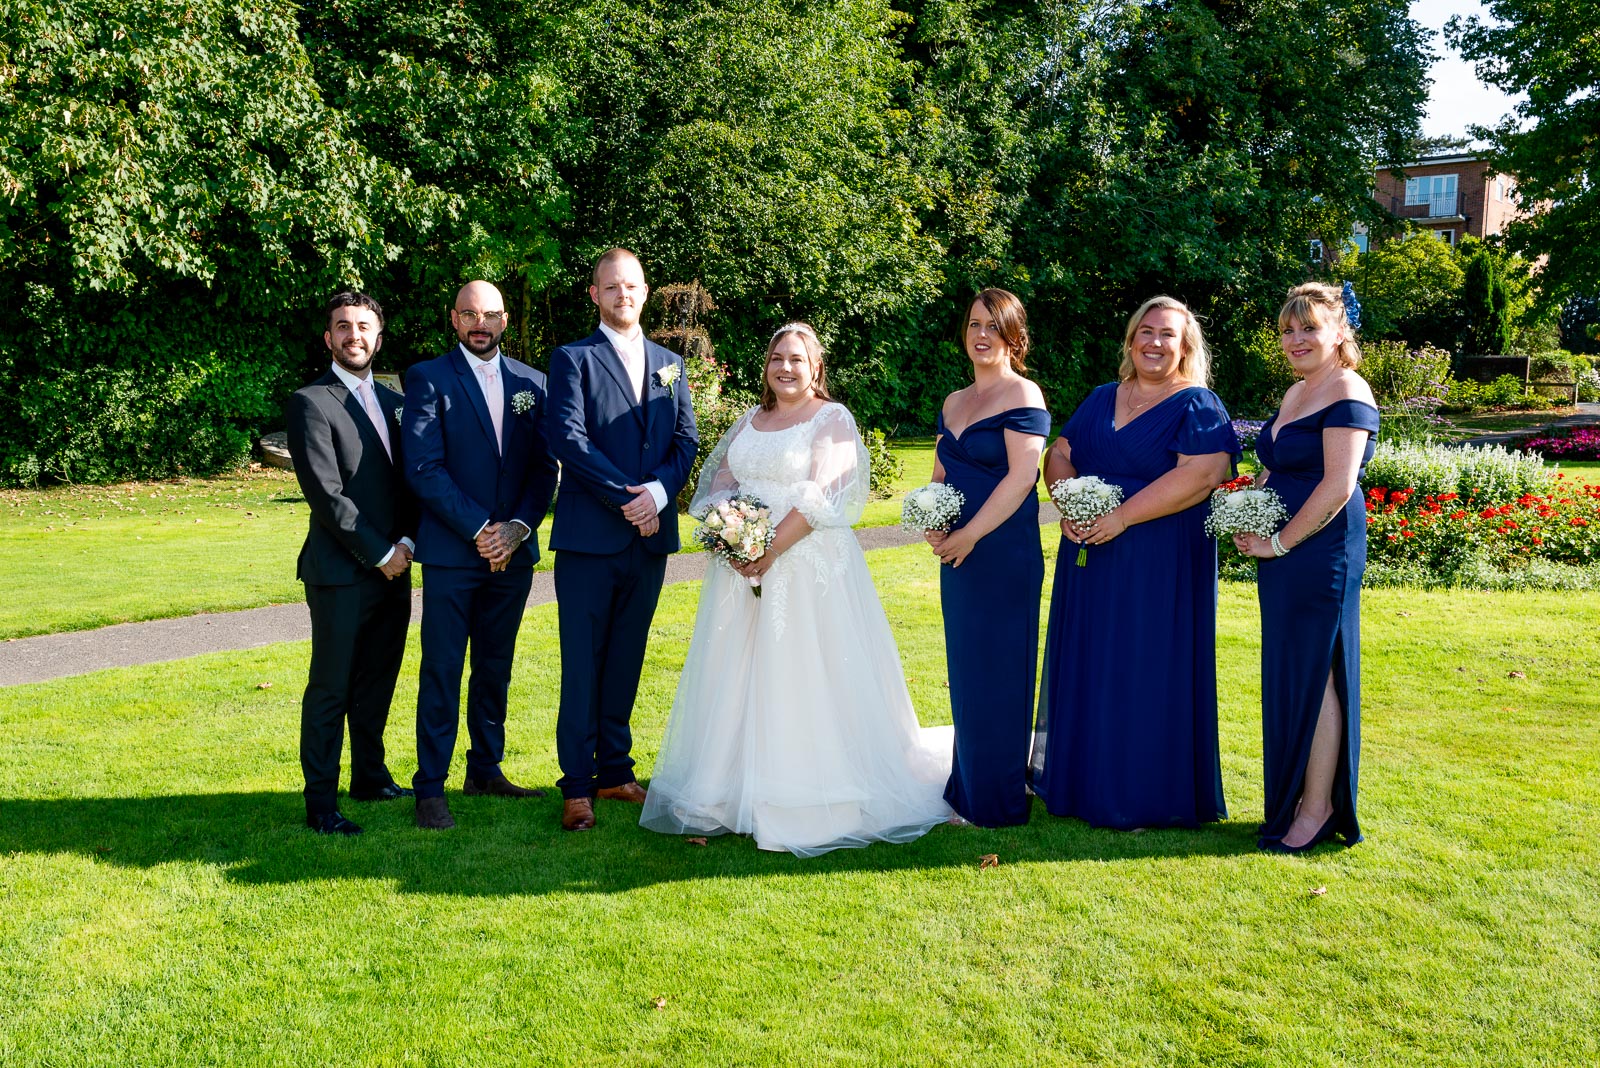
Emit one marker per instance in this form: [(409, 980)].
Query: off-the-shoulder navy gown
[(991, 626), (1127, 728), (1311, 619)]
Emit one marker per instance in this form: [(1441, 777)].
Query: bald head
[(479, 318)]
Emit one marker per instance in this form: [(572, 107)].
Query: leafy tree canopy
[(1548, 50)]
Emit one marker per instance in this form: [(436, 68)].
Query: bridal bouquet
[(1083, 500), (739, 530), (1237, 507), (933, 507)]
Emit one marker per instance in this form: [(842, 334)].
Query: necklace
[(1132, 407)]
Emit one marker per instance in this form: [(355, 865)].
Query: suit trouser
[(605, 604), (358, 639), (464, 606)]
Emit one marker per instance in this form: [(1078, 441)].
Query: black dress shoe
[(330, 823), (393, 792), (433, 814), (499, 786)]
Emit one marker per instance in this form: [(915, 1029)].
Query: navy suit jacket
[(452, 465), (360, 504), (606, 442)]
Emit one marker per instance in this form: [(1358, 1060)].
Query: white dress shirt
[(630, 353), (495, 401), (354, 383)]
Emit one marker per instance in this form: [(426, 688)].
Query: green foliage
[(1547, 55), (1580, 324), (887, 467), (1409, 290)]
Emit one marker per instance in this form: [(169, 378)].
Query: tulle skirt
[(792, 722)]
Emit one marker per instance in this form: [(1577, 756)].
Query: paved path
[(54, 656), (1587, 415)]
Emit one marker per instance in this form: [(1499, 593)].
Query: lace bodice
[(818, 468)]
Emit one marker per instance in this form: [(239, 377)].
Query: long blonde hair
[(1320, 305), (1195, 363)]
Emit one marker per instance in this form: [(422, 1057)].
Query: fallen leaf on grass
[(695, 841), (1405, 614), (988, 860), (1516, 674), (263, 685), (658, 1002), (1318, 891)]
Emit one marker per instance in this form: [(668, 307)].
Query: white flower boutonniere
[(522, 402), (398, 413), (667, 378)]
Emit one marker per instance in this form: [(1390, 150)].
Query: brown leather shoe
[(500, 786), (577, 814), (628, 791), (433, 814)]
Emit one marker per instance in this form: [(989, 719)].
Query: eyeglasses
[(472, 318)]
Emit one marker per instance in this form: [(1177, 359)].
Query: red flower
[(1459, 513), (1407, 533)]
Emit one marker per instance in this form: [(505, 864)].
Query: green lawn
[(1495, 422), (163, 906), (77, 557)]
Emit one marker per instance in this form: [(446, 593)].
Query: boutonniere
[(397, 413), (667, 378), (522, 402)]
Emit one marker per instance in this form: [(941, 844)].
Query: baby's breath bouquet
[(1237, 507), (1083, 500), (738, 530), (933, 507)]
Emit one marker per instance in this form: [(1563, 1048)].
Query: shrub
[(887, 468), (1507, 391), (1588, 385), (1410, 386), (1490, 473)]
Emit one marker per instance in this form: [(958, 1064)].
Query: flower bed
[(1575, 443)]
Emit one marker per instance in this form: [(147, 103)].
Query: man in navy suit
[(478, 461), (623, 428), (356, 562)]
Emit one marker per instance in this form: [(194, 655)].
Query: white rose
[(926, 498)]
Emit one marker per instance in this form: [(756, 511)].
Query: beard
[(353, 358), (472, 340)]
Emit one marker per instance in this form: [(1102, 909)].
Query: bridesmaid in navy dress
[(1127, 728), (1309, 578), (991, 435)]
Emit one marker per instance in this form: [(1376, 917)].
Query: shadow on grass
[(506, 847)]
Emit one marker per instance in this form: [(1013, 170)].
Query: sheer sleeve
[(836, 493), (716, 481)]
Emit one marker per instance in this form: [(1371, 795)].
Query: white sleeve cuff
[(409, 544), (386, 557), (481, 530), (658, 493)]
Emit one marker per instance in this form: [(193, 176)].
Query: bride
[(792, 722)]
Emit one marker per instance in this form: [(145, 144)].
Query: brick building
[(1453, 195)]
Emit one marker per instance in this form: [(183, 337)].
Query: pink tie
[(369, 401), (494, 402)]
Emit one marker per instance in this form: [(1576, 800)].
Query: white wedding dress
[(792, 722)]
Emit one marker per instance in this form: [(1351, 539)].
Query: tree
[(1410, 290), (1549, 51)]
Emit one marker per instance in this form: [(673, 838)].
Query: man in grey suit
[(344, 437)]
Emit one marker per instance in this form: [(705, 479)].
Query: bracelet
[(1277, 547)]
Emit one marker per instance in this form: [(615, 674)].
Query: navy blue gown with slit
[(1311, 619), (1126, 735), (991, 626)]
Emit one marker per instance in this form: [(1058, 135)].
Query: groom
[(623, 428)]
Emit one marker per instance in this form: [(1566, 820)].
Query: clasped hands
[(1095, 531), (950, 546), (641, 511), (497, 542), (397, 563), (1254, 545)]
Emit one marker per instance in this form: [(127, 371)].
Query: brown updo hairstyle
[(1318, 304), (1195, 363), (1010, 318), (813, 346)]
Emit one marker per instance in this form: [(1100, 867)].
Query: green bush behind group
[(184, 184)]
